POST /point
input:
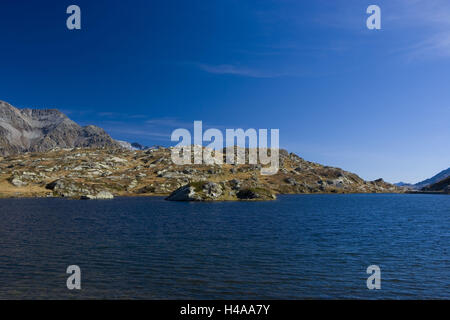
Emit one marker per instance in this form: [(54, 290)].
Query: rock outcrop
[(72, 189), (223, 191), (102, 195)]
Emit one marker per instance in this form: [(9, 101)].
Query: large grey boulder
[(71, 189), (212, 190), (197, 191), (18, 183), (185, 193), (102, 195)]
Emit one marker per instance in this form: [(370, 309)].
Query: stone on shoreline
[(222, 191), (102, 195), (67, 188)]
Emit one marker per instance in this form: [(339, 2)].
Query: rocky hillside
[(101, 173), (442, 186), (428, 182), (435, 179), (35, 130)]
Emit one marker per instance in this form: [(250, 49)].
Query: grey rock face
[(235, 184), (70, 189), (212, 190), (34, 130), (202, 192)]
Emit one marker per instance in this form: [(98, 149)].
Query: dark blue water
[(303, 246)]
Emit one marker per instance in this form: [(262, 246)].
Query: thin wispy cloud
[(436, 46), (120, 115), (158, 129), (421, 26), (138, 132), (103, 114), (434, 13), (236, 70), (429, 20), (167, 122)]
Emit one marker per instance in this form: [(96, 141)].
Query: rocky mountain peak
[(24, 130)]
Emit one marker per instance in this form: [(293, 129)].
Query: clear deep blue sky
[(372, 102)]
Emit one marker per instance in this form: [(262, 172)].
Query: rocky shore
[(103, 173)]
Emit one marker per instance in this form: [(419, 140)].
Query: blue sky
[(376, 103)]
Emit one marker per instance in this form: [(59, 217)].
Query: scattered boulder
[(17, 182), (290, 181), (255, 194), (185, 193), (71, 189), (102, 195), (146, 189), (235, 184), (212, 190)]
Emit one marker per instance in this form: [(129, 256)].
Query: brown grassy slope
[(151, 172)]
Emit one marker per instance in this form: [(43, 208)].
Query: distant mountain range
[(403, 184), (35, 130), (435, 179)]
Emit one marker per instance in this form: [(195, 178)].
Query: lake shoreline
[(2, 197)]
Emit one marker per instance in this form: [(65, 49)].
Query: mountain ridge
[(427, 182), (440, 186), (434, 179), (40, 130)]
